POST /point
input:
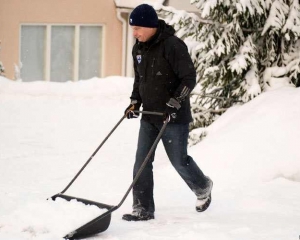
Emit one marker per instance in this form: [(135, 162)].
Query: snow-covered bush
[(239, 48), (1, 65), (1, 69)]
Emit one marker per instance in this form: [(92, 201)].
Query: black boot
[(138, 216)]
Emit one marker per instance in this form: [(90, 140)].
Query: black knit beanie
[(144, 15)]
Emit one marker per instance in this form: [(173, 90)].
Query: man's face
[(143, 34)]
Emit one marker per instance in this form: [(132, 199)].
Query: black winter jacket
[(163, 70)]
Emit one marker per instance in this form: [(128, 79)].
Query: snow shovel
[(101, 223)]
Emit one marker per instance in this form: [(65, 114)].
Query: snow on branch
[(291, 60), (173, 16), (253, 6), (274, 77), (293, 21), (252, 85), (244, 58), (277, 17)]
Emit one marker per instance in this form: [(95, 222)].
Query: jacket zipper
[(152, 66), (144, 55)]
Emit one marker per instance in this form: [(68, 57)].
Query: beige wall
[(182, 5), (16, 12)]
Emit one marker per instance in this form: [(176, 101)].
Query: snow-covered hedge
[(1, 69)]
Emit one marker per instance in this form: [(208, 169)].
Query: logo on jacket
[(139, 58)]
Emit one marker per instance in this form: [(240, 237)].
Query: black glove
[(134, 106), (172, 108)]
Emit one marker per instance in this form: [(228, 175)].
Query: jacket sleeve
[(177, 54), (135, 95)]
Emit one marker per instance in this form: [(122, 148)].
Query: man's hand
[(172, 108), (134, 106)]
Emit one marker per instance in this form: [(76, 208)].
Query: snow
[(49, 130), (207, 7), (272, 77), (293, 20), (43, 219), (245, 55), (252, 84), (277, 16)]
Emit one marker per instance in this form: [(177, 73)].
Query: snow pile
[(43, 219), (256, 142)]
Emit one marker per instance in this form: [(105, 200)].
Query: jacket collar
[(163, 31)]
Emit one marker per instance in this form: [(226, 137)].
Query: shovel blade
[(95, 226)]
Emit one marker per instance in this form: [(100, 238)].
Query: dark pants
[(174, 139)]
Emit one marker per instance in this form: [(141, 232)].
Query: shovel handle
[(150, 113)]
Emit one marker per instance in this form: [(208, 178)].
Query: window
[(33, 52), (60, 53), (90, 52)]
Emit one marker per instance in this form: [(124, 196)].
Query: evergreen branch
[(221, 110), (209, 96), (232, 100), (223, 25)]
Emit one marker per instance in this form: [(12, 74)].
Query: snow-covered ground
[(49, 130)]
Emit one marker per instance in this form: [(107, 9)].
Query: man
[(164, 78)]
